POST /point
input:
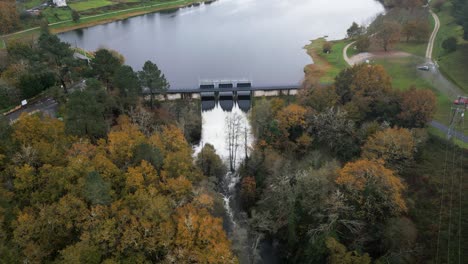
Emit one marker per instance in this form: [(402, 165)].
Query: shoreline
[(105, 18)]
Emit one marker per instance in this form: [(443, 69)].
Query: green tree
[(149, 153), (127, 83), (210, 163), (32, 84), (105, 64), (85, 115), (75, 16), (96, 190), (57, 55), (450, 44), (355, 30), (152, 78)]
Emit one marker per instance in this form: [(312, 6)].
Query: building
[(60, 3)]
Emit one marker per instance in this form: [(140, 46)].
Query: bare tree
[(234, 129)]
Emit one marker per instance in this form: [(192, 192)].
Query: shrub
[(450, 44), (327, 47)]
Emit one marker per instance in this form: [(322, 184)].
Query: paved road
[(445, 129), (345, 54), (47, 106)]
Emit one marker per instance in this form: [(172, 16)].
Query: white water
[(214, 132)]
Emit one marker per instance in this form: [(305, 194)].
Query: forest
[(341, 173)]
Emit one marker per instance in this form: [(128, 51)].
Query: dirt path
[(430, 45)]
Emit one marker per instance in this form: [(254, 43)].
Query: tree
[(319, 98), (153, 79), (85, 115), (104, 65), (366, 92), (375, 191), (210, 163), (248, 192), (333, 128), (340, 255), (395, 146), (58, 55), (327, 47), (126, 81), (75, 16), (96, 190), (200, 238), (389, 34), (450, 44), (363, 43), (9, 19), (32, 84), (418, 107), (355, 30)]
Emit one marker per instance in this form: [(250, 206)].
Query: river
[(261, 40)]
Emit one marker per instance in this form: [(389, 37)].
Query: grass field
[(85, 5), (54, 15), (326, 66), (454, 65)]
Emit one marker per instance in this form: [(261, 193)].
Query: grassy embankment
[(60, 19), (326, 66), (454, 65)]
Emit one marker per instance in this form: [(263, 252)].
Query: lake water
[(261, 40)]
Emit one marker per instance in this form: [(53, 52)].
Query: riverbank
[(93, 20)]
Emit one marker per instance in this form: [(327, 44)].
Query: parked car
[(423, 68)]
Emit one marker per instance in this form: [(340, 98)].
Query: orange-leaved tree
[(375, 191)]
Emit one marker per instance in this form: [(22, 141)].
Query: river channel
[(260, 40)]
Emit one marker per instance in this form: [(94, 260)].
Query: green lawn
[(54, 15), (454, 65), (405, 74), (32, 3), (335, 58), (416, 48), (85, 5)]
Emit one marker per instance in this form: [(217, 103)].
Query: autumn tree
[(340, 255), (418, 107), (9, 18), (418, 30), (375, 191), (366, 92), (200, 237), (389, 34), (45, 135), (248, 192), (319, 98), (292, 125), (395, 146)]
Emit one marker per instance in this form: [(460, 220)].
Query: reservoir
[(260, 40)]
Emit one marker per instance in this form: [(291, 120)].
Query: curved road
[(430, 45), (434, 75)]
